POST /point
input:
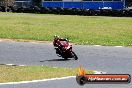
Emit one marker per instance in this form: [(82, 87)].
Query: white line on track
[(96, 45), (118, 46), (22, 82), (99, 72), (11, 65)]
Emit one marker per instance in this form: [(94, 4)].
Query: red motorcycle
[(63, 48)]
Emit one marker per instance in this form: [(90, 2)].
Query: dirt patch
[(23, 40)]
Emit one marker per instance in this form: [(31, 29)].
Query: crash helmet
[(56, 37)]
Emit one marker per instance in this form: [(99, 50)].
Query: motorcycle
[(64, 48)]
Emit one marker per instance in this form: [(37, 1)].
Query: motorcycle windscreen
[(64, 43)]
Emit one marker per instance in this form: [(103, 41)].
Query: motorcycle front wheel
[(74, 56)]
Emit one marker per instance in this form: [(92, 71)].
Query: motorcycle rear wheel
[(66, 58)]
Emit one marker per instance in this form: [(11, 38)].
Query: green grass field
[(28, 73), (91, 30)]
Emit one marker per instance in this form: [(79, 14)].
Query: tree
[(7, 3), (36, 2), (129, 2)]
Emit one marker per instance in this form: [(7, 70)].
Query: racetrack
[(101, 58)]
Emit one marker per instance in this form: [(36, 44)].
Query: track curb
[(12, 65)]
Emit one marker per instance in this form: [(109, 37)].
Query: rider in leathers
[(57, 44)]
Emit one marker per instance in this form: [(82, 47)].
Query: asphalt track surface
[(102, 58)]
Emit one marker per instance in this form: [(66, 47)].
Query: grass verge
[(28, 73), (92, 30)]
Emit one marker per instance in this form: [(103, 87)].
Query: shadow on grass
[(56, 60)]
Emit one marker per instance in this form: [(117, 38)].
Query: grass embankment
[(28, 73), (92, 30)]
